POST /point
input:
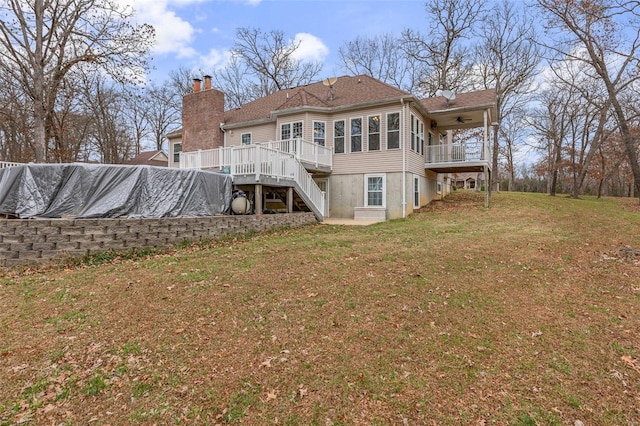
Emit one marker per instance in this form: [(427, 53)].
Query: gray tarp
[(93, 191)]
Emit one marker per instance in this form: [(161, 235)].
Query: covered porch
[(454, 115)]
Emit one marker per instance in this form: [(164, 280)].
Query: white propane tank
[(241, 205)]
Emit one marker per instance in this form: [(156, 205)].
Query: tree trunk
[(39, 111)]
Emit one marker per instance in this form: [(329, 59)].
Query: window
[(416, 192), (245, 138), (318, 132), (393, 130), (413, 132), (356, 134), (374, 190), (338, 137), (297, 130), (374, 133), (421, 138), (291, 130), (177, 149), (285, 131)]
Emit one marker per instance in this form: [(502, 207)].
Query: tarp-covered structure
[(111, 191)]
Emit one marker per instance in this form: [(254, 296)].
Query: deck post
[(290, 199), (258, 199)]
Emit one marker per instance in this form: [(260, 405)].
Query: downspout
[(404, 160), (224, 135)]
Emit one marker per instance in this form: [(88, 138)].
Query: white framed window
[(356, 134), (245, 138), (393, 130), (414, 124), (375, 190), (416, 192), (439, 187), (177, 149), (374, 133), (319, 133), (291, 130), (417, 135), (296, 130), (421, 139), (338, 136)]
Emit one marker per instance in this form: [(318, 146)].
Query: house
[(347, 147), (150, 158)]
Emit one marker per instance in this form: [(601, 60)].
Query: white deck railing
[(304, 151), (5, 164), (257, 160), (458, 152)]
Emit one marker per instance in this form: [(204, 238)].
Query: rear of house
[(370, 150)]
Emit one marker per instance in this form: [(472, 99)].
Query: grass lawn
[(526, 313)]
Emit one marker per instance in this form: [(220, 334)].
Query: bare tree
[(231, 79), (111, 133), (68, 126), (379, 57), (605, 35), (507, 59), (42, 40), (270, 61), (162, 112), (444, 57), (180, 82)]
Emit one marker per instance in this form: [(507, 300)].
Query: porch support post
[(258, 199), (290, 200), (487, 184)]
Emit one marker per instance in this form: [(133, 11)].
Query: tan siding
[(261, 133)]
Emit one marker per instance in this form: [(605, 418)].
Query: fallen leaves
[(632, 363)]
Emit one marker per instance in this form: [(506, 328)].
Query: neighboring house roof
[(347, 91), (150, 158)]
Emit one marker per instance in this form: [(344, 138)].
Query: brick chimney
[(202, 113)]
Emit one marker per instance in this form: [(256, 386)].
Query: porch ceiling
[(466, 167), (465, 111), (459, 119)]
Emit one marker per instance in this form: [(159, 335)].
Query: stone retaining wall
[(27, 241)]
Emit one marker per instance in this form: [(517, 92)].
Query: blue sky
[(199, 33)]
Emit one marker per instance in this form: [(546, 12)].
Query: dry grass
[(525, 313)]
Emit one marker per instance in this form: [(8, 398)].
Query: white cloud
[(173, 34), (213, 60), (311, 48)]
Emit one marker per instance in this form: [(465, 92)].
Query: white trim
[(416, 185), (250, 138), (384, 189), (344, 136), (379, 132), (290, 124), (386, 129), (313, 128), (172, 152), (361, 134)]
